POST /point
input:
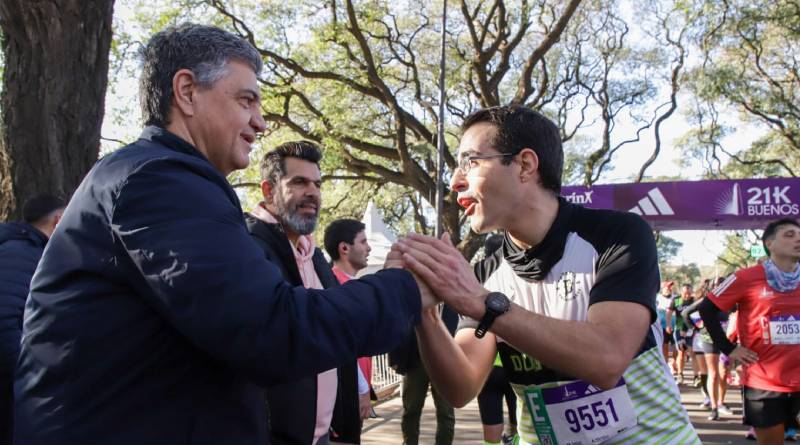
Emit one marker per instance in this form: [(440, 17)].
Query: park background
[(642, 91)]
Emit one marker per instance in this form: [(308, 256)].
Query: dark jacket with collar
[(293, 406), (154, 318), (21, 246)]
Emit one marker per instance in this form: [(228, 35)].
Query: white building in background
[(380, 239)]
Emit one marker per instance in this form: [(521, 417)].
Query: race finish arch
[(697, 205)]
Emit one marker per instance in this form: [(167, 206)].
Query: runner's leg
[(511, 405), (490, 406), (712, 382), (712, 367), (680, 361), (445, 419), (415, 390), (701, 372), (724, 371), (770, 436)]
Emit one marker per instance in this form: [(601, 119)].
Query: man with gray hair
[(153, 317)]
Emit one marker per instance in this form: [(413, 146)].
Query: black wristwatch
[(497, 304)]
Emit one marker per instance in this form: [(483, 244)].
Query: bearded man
[(322, 408)]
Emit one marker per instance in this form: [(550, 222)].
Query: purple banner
[(685, 205)]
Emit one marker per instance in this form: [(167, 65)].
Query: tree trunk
[(54, 85)]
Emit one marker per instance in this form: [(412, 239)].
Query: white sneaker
[(723, 409)]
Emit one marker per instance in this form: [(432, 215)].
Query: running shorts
[(686, 339), (668, 338), (763, 409), (697, 344), (706, 347)]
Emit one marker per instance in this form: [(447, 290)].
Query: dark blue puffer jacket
[(21, 246), (155, 319)]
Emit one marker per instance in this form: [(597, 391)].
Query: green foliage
[(750, 70), (768, 156), (747, 83), (360, 78), (685, 273), (667, 248), (602, 82), (737, 252)]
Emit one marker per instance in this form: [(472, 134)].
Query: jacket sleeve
[(200, 270), (710, 314), (687, 312)]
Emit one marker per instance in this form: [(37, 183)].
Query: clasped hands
[(441, 272)]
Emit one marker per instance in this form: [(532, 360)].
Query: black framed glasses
[(465, 163)]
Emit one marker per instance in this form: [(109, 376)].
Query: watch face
[(497, 302)]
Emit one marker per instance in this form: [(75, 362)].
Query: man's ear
[(529, 165), (266, 191), (343, 248), (57, 217), (184, 87)]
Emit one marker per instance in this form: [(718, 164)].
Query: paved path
[(386, 429), (727, 430)]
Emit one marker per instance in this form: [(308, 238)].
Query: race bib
[(578, 413), (696, 320), (784, 330)]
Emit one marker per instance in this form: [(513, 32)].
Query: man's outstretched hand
[(442, 267), (395, 260)]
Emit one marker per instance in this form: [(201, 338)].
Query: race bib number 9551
[(579, 414)]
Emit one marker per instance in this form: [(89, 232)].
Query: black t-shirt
[(587, 256)]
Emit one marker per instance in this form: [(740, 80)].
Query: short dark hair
[(344, 229), (520, 127), (772, 229), (40, 206), (273, 165), (204, 50)]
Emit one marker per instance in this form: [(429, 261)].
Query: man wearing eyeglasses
[(568, 300)]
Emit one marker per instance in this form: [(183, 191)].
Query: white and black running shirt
[(589, 256)]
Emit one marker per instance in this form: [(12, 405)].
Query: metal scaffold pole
[(440, 134)]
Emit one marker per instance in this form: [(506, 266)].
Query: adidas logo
[(591, 389), (653, 203)]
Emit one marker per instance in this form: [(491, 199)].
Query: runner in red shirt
[(768, 297)]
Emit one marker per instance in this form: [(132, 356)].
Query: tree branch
[(673, 99), (525, 85)]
